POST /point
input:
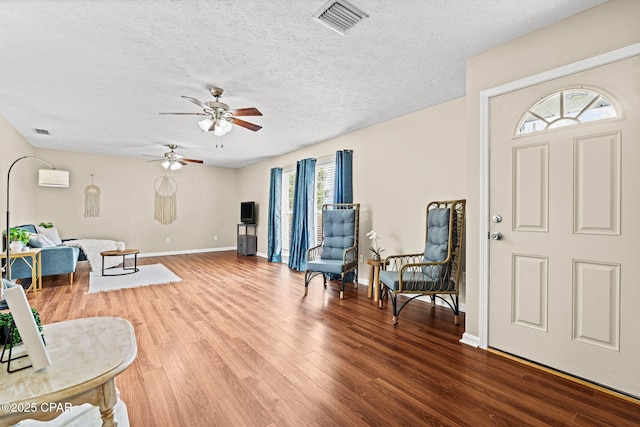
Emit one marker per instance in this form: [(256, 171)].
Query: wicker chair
[(337, 255), (434, 272)]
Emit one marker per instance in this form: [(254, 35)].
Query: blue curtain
[(343, 187), (274, 251), (302, 224)]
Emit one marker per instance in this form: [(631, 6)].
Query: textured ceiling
[(96, 73)]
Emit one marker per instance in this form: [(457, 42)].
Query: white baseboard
[(187, 251), (471, 340)]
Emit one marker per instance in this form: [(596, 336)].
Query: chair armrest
[(350, 255), (314, 253)]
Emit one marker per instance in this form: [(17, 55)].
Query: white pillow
[(39, 241), (51, 234)]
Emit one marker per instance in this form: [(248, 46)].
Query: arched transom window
[(565, 108)]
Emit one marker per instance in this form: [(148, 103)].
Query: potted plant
[(375, 247), (5, 323), (18, 239)]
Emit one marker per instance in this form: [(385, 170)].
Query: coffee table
[(123, 254)]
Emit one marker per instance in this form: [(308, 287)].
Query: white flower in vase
[(375, 247)]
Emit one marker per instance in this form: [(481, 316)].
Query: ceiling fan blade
[(186, 114), (197, 102), (155, 160), (192, 161), (246, 125), (246, 112)]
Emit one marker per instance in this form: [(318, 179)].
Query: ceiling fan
[(218, 116), (172, 160)]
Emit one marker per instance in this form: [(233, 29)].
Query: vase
[(120, 246), (376, 257), (16, 246)]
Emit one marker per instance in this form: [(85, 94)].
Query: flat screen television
[(248, 212)]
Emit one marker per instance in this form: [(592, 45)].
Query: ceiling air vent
[(340, 16), (41, 131)]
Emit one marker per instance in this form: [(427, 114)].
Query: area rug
[(153, 274)]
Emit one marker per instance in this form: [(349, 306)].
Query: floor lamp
[(46, 178)]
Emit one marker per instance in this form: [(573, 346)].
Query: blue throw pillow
[(40, 241)]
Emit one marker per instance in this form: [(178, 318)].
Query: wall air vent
[(339, 15), (41, 131)]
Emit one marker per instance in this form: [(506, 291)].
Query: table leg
[(34, 272), (103, 265), (39, 256), (371, 279), (376, 284), (108, 399)]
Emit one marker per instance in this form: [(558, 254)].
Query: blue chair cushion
[(333, 266), (437, 245), (338, 233)]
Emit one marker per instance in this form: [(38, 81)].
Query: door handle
[(496, 236)]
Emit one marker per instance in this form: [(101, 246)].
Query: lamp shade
[(53, 178), (205, 124)]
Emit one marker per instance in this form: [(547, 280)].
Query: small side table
[(123, 254), (86, 356), (374, 277), (35, 265)]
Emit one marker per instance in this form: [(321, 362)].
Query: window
[(288, 185), (566, 108), (325, 178)]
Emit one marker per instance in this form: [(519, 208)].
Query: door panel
[(530, 289), (597, 177), (530, 187), (597, 304), (565, 277)]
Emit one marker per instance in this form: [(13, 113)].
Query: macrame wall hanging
[(165, 205), (92, 200)]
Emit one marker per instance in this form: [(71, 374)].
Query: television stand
[(247, 243)]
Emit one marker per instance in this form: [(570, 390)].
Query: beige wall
[(399, 166), (207, 198), (602, 29), (14, 146)]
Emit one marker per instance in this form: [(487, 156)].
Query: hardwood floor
[(235, 343)]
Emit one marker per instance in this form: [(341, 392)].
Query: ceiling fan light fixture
[(222, 127), (171, 165), (205, 124)]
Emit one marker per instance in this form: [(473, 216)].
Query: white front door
[(565, 277)]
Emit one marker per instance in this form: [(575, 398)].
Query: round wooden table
[(123, 254)]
